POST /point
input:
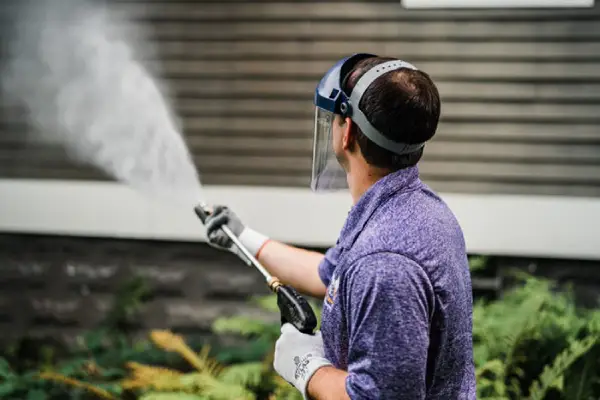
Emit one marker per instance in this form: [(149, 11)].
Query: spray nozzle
[(202, 211)]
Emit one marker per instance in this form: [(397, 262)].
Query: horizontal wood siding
[(520, 89)]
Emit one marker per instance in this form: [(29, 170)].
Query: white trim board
[(562, 227), (498, 4)]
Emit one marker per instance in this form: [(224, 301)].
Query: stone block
[(7, 309), (95, 275), (165, 280), (19, 271), (148, 314), (233, 282), (185, 315), (46, 310)]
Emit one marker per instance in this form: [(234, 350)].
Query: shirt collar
[(402, 181)]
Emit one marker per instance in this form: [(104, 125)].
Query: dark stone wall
[(582, 275), (63, 285), (60, 286)]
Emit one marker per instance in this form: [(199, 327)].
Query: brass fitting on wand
[(274, 283)]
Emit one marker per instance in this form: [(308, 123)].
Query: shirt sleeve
[(328, 264), (389, 299)]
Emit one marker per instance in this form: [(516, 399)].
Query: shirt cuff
[(326, 267), (325, 270), (354, 392)]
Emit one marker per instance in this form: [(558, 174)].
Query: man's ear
[(349, 134)]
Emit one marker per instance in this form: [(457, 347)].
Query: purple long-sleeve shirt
[(398, 311)]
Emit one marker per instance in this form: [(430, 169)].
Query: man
[(397, 313)]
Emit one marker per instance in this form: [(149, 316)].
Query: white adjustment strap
[(361, 120)]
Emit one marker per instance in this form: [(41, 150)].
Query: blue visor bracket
[(329, 94)]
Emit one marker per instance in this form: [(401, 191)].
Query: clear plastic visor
[(327, 173)]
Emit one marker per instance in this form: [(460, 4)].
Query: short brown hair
[(404, 105)]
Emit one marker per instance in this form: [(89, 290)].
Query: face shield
[(330, 100), (327, 173)]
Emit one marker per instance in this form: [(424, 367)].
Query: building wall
[(59, 286), (520, 91), (517, 156)]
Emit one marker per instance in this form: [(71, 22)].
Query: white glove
[(298, 356)]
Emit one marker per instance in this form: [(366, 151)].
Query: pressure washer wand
[(293, 307)]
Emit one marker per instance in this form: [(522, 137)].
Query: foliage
[(29, 369), (536, 344), (210, 379), (533, 343)]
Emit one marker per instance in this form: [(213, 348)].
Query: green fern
[(246, 375), (528, 328), (553, 375), (243, 326), (501, 373), (478, 263), (582, 382), (267, 303), (171, 396), (284, 391), (532, 344), (213, 388)]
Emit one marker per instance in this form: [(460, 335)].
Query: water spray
[(73, 67)]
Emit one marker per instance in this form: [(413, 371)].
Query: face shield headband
[(330, 99)]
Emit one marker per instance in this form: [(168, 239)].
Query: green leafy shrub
[(39, 368), (535, 343), (531, 344)]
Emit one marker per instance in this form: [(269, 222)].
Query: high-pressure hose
[(293, 307)]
